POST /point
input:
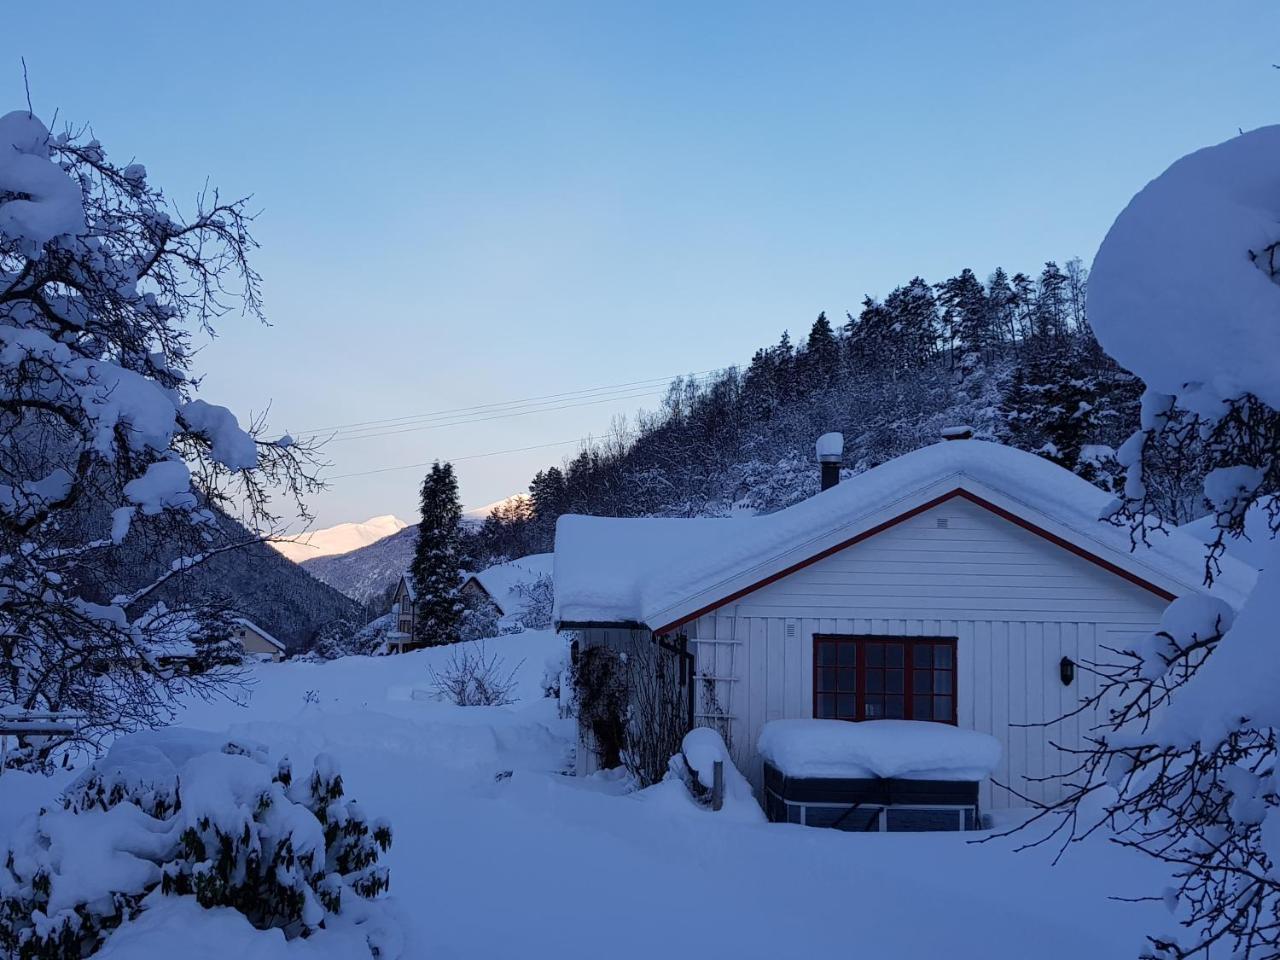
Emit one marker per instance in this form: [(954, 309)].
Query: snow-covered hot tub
[(875, 774)]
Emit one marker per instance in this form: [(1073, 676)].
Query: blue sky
[(475, 202)]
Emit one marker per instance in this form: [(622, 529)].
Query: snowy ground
[(544, 865)]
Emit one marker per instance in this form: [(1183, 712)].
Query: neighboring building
[(500, 585), (404, 604), (961, 583), (257, 643)]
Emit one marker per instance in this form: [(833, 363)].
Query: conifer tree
[(822, 353), (437, 558)]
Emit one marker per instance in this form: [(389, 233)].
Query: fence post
[(717, 785)]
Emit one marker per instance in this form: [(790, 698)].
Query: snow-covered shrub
[(539, 596), (480, 619), (343, 639), (178, 813), (473, 677)]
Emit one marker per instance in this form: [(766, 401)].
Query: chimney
[(830, 453), (957, 433)]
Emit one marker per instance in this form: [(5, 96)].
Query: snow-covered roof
[(250, 625), (407, 579), (501, 580), (660, 571)]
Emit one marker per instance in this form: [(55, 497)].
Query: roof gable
[(663, 572)]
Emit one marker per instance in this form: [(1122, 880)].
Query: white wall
[(1015, 602)]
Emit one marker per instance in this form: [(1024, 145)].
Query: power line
[(497, 405), (497, 416), (472, 456)]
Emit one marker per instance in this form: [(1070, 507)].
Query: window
[(884, 678)]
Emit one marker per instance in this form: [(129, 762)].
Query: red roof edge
[(907, 515)]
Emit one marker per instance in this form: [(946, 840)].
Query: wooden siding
[(1015, 603)]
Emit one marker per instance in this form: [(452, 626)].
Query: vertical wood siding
[(1015, 603)]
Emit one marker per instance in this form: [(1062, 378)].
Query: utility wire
[(472, 456), (490, 407), (497, 416)]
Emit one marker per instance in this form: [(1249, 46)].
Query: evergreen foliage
[(437, 558), (1014, 358), (179, 816)]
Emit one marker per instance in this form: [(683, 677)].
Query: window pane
[(846, 680), (922, 708), (920, 682), (827, 679), (944, 682), (894, 708), (873, 708), (848, 654), (922, 654), (875, 681), (826, 653), (847, 707), (893, 681), (827, 706), (942, 655), (875, 654), (943, 709), (894, 654)]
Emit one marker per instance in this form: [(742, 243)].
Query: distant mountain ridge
[(365, 573), (338, 539)]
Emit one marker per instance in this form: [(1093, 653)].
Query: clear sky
[(470, 203)]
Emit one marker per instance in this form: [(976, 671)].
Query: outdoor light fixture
[(1067, 670)]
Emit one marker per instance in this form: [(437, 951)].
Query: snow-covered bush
[(474, 677), (178, 813), (480, 619), (112, 460), (1185, 293), (343, 639), (539, 597)]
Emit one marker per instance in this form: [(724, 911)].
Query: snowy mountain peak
[(342, 538)]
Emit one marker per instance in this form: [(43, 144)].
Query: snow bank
[(903, 749), (612, 569), (1174, 271)]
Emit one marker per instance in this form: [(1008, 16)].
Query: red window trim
[(861, 639)]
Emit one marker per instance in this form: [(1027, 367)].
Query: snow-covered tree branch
[(1183, 766), (112, 468)]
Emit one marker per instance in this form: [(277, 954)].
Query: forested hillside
[(1013, 357), (368, 573)]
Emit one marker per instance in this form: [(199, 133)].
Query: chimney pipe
[(830, 448)]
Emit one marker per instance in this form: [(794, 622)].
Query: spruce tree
[(822, 354), (437, 559)]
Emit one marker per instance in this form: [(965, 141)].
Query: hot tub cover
[(901, 749)]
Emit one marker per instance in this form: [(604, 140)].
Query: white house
[(960, 583), (256, 641)]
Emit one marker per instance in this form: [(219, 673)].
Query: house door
[(884, 678)]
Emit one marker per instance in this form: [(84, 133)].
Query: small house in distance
[(960, 584), (257, 643), (404, 604)]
